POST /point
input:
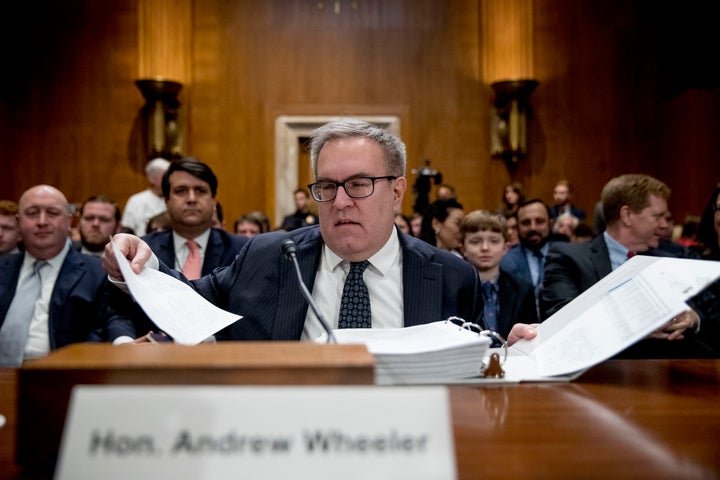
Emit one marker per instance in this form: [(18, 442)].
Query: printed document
[(627, 305), (176, 308)]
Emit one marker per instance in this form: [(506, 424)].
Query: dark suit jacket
[(572, 268), (515, 264), (73, 303), (517, 303), (261, 285), (221, 250)]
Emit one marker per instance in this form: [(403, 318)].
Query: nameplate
[(192, 432)]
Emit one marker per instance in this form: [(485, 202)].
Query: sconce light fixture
[(509, 124), (161, 115)]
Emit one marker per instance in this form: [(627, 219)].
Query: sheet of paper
[(176, 308), (622, 308)]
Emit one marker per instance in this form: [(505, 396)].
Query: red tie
[(192, 266), (630, 254)]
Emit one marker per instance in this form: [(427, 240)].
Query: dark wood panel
[(69, 108)]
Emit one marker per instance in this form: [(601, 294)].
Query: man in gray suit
[(360, 183)]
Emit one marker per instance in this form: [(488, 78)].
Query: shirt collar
[(54, 262), (382, 261), (616, 251), (179, 241)]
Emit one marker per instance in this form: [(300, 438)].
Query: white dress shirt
[(384, 280)]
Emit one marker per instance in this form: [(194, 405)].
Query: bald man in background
[(48, 292)]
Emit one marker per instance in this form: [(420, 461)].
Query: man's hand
[(673, 330), (522, 331), (132, 248)]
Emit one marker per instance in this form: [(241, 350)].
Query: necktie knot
[(630, 254)]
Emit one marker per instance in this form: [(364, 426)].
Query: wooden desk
[(622, 419)]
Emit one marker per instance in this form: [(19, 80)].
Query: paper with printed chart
[(631, 302)]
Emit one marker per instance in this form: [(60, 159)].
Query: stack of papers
[(439, 352)]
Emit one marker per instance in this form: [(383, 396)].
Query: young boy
[(484, 240)]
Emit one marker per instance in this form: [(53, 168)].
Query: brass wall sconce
[(509, 124), (161, 115)]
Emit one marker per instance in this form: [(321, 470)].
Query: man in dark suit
[(525, 261), (48, 292), (507, 301), (398, 281), (562, 194), (189, 188), (634, 210)]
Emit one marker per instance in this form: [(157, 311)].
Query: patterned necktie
[(490, 309), (355, 303), (193, 265), (15, 328)]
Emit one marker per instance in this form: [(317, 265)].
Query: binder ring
[(474, 327)]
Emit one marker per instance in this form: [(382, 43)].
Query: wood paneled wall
[(70, 111)]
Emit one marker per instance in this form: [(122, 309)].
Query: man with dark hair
[(302, 216), (190, 246), (99, 220), (634, 208), (525, 261), (562, 195), (355, 250)]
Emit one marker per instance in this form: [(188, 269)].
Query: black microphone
[(289, 247)]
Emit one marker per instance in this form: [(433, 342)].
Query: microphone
[(289, 248)]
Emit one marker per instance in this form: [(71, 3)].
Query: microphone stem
[(311, 301)]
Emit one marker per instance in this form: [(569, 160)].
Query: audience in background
[(9, 229), (416, 224), (507, 300), (158, 223), (525, 262), (50, 299), (441, 225), (302, 216), (513, 196), (512, 229), (144, 205), (562, 195), (403, 223), (565, 225), (251, 224), (708, 232), (445, 192), (99, 220)]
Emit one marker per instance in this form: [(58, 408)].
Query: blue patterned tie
[(355, 304), (490, 309), (15, 328)]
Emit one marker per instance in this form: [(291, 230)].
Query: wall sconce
[(509, 124), (161, 115)]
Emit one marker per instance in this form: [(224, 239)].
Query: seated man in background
[(355, 251), (99, 220), (48, 297), (191, 245), (507, 301), (9, 230), (634, 209)]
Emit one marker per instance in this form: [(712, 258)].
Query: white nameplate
[(215, 432)]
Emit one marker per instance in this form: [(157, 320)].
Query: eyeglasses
[(359, 187)]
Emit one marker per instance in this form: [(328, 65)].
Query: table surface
[(622, 419)]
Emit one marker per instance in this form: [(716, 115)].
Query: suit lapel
[(9, 273), (422, 288), (70, 274), (213, 253), (600, 257), (292, 306)]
